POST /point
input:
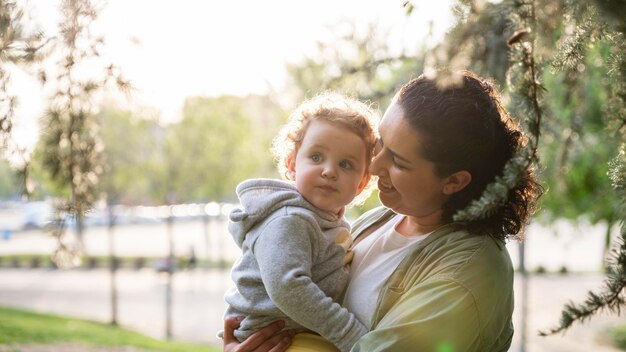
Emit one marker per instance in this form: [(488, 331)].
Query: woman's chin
[(386, 198)]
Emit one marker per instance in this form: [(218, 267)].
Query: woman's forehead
[(397, 133), (393, 121)]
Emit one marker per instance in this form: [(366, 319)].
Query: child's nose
[(329, 172)]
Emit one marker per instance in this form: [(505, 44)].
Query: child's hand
[(347, 258), (344, 240)]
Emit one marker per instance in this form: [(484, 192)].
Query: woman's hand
[(268, 339)]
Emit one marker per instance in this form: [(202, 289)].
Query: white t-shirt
[(375, 258)]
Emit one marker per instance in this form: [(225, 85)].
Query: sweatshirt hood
[(261, 197)]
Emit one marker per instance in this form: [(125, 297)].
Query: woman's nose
[(376, 164)]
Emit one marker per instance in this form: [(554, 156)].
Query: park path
[(198, 303)]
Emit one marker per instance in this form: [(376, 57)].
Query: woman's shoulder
[(460, 239), (370, 218), (455, 252)]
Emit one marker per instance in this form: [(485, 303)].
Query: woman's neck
[(412, 226)]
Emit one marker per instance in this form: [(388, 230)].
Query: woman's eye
[(395, 163)]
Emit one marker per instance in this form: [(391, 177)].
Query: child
[(293, 234)]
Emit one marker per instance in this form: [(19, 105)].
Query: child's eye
[(316, 158), (345, 164)]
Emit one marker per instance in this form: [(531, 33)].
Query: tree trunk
[(113, 266)]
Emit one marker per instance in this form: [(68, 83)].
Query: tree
[(578, 46), (578, 145), (219, 143), (532, 48), (130, 143), (73, 151), (18, 48), (574, 105), (359, 65)]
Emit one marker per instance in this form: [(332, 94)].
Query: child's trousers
[(306, 342)]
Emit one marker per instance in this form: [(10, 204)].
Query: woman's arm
[(268, 339), (439, 315)]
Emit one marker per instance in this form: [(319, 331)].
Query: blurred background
[(126, 126)]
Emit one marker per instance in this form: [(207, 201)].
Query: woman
[(420, 280)]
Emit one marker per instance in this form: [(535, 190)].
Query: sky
[(173, 50)]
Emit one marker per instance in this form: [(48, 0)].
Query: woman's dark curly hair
[(464, 127)]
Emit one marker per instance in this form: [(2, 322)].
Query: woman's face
[(406, 181)]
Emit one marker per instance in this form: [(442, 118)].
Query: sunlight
[(206, 48)]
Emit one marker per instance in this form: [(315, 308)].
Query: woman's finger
[(264, 339), (230, 324), (277, 343), (268, 339), (284, 341)]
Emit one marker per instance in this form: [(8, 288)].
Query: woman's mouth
[(384, 186)]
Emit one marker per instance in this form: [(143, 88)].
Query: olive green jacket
[(453, 292)]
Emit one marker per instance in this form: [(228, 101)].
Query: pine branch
[(17, 47), (572, 47), (524, 80), (612, 297), (368, 66)]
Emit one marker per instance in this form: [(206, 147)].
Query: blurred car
[(164, 265)]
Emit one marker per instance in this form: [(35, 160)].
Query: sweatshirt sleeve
[(284, 252)]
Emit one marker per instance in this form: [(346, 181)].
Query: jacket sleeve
[(438, 315), (285, 252)]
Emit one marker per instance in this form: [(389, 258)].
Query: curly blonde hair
[(331, 107)]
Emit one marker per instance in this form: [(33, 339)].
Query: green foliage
[(19, 48), (130, 146), (580, 56), (8, 180), (21, 327), (219, 143), (478, 41), (578, 145), (618, 335), (359, 65), (567, 82)]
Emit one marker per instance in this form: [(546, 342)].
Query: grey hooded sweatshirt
[(290, 268)]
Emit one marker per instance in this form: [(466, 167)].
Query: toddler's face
[(330, 167)]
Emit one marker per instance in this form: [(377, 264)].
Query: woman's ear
[(456, 182)]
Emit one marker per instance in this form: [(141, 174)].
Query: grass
[(24, 327)]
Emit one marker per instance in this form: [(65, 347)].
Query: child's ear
[(364, 182), (456, 182), (291, 167)]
